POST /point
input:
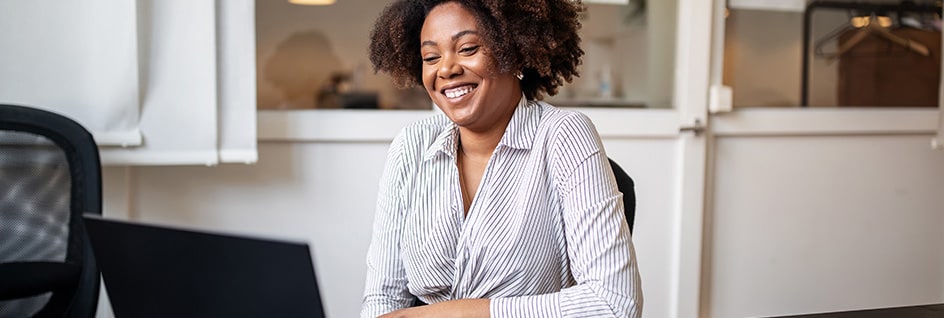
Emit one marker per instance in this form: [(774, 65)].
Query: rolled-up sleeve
[(601, 252), (599, 245), (386, 282)]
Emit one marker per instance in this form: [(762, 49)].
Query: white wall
[(648, 162), (809, 224)]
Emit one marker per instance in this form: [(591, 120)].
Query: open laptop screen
[(158, 271)]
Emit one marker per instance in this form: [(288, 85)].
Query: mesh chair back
[(34, 202), (50, 175)]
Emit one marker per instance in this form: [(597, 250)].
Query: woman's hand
[(453, 309)]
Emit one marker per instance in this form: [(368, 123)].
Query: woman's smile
[(458, 92)]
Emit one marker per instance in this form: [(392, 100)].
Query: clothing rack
[(905, 6)]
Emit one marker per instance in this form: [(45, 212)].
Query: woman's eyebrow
[(463, 33), (454, 37)]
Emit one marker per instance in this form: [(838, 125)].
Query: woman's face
[(459, 73)]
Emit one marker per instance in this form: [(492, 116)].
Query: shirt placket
[(462, 251), (467, 227)]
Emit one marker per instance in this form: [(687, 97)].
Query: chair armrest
[(24, 279)]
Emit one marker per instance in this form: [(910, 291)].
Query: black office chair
[(626, 185), (50, 175)]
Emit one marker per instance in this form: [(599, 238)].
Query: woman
[(503, 205)]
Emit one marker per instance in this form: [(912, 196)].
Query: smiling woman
[(502, 204)]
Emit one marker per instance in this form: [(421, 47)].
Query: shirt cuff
[(547, 305)]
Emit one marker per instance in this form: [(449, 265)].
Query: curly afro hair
[(537, 37)]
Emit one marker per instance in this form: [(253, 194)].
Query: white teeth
[(458, 91)]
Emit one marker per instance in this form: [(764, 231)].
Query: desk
[(926, 311)]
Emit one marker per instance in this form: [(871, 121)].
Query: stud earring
[(520, 76)]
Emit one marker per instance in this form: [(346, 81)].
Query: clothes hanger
[(830, 37), (859, 36), (915, 46), (873, 27)]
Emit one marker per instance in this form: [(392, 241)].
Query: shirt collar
[(445, 142), (518, 135), (523, 125)]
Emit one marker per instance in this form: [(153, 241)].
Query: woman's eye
[(469, 49), (430, 59)]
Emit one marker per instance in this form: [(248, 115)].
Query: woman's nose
[(449, 67)]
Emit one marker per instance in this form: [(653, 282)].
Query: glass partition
[(315, 57), (833, 53), (629, 59), (310, 57)]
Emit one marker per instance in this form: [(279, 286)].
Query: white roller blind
[(170, 81), (198, 87), (77, 58), (178, 89), (237, 61)]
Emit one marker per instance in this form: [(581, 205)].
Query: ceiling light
[(312, 2)]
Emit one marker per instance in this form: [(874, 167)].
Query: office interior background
[(773, 178)]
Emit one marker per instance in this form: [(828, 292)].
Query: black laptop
[(158, 271)]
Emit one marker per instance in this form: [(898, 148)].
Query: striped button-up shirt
[(545, 235)]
